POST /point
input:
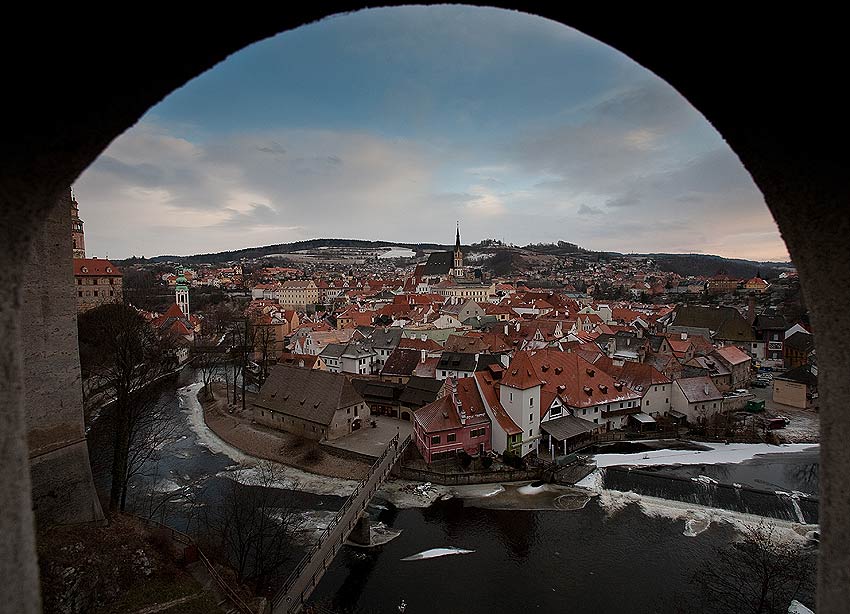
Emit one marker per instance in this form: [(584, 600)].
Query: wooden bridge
[(304, 579)]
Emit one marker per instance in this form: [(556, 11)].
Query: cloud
[(584, 146), (587, 210)]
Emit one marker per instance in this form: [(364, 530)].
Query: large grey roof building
[(311, 403)]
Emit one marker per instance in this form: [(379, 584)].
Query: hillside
[(499, 260), (250, 253), (707, 265)]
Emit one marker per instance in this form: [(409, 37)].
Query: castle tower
[(78, 240), (457, 271), (183, 294)]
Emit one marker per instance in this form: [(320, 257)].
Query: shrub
[(486, 462)]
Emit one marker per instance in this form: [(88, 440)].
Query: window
[(80, 293), (667, 400), (621, 406), (584, 411), (511, 396), (444, 373), (529, 432), (531, 402), (435, 439), (477, 432), (531, 417), (451, 437)]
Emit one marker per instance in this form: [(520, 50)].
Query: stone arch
[(764, 81)]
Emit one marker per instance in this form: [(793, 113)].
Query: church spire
[(457, 270)]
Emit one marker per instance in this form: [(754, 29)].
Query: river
[(603, 557)]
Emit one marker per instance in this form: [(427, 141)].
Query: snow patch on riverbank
[(188, 397), (290, 478), (716, 454), (245, 473), (405, 494)]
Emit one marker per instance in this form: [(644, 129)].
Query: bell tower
[(78, 240), (182, 293)]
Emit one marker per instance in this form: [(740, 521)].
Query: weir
[(744, 499), (349, 521)]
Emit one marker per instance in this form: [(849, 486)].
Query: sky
[(394, 124)]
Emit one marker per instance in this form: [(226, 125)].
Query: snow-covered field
[(717, 454)]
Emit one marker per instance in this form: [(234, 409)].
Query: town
[(484, 370)]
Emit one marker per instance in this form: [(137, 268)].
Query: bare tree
[(254, 524), (209, 357), (265, 342), (761, 574), (126, 357)]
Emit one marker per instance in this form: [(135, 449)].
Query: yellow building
[(797, 388)]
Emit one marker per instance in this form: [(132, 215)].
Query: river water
[(597, 558)]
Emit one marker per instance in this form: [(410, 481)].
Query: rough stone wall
[(62, 486)]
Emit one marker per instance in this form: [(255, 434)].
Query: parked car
[(760, 383), (777, 423)]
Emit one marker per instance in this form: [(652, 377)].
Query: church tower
[(457, 270), (78, 240), (183, 294)]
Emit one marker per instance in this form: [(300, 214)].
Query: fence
[(470, 477), (184, 539)]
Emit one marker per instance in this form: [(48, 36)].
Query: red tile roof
[(732, 354), (521, 373), (442, 414), (578, 382), (95, 267), (490, 391)]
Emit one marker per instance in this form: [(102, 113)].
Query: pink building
[(455, 422)]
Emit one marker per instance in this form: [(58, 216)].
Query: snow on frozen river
[(716, 454)]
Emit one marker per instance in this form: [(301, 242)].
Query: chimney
[(506, 330), (751, 308)]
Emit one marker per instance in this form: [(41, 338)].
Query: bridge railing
[(370, 484)]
